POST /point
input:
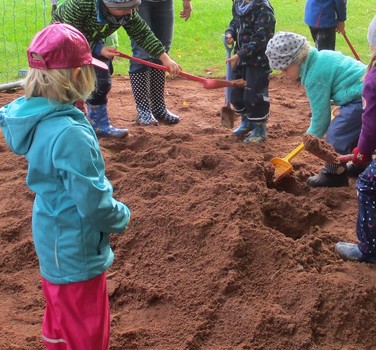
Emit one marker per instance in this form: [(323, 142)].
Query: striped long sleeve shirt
[(89, 17)]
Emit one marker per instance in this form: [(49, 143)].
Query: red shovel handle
[(351, 47), (159, 66), (207, 83)]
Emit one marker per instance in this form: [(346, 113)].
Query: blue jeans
[(343, 132), (159, 15)]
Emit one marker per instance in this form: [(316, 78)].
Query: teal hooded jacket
[(330, 76), (74, 210)]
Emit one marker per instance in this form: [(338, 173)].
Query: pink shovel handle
[(159, 66)]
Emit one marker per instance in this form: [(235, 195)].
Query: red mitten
[(360, 158)]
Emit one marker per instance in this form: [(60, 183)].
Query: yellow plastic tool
[(282, 166)]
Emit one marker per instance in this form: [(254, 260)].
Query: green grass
[(197, 44)]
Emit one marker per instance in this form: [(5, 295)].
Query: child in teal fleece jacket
[(327, 76)]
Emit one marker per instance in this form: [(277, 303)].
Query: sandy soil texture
[(217, 256)]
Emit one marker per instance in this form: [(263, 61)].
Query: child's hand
[(173, 67), (229, 39), (108, 52), (233, 61)]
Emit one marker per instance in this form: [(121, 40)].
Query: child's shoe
[(258, 134), (351, 252), (354, 170)]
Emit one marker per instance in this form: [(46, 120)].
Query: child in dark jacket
[(251, 28), (365, 249), (74, 209)]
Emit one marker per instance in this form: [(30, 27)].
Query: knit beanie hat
[(122, 4), (371, 36), (284, 48)]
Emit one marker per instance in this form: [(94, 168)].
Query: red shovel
[(207, 83), (351, 47)]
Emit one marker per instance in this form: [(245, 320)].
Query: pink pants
[(77, 315)]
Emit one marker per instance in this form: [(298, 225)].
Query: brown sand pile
[(217, 257)]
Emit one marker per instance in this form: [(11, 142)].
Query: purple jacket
[(367, 138)]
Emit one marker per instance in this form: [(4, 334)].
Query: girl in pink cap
[(74, 208)]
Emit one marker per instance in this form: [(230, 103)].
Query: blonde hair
[(303, 53), (372, 62), (59, 84)]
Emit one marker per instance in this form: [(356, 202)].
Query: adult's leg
[(160, 18)]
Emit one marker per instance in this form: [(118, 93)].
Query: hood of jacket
[(242, 7), (20, 118)]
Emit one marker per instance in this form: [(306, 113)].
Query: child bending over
[(327, 76)]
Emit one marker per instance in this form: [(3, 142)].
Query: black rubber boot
[(332, 175), (355, 170), (157, 97), (140, 83)]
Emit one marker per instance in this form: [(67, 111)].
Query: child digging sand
[(327, 76)]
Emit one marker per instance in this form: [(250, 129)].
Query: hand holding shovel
[(207, 83)]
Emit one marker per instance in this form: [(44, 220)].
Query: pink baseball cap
[(60, 46)]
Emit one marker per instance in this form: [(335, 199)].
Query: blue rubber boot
[(98, 117), (258, 134), (244, 128)]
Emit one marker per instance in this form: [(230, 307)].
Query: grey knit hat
[(284, 48), (371, 36), (122, 4)]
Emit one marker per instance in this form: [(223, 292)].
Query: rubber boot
[(332, 175), (98, 117), (258, 134), (244, 128), (140, 83), (354, 170), (157, 97)]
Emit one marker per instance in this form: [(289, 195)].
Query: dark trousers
[(343, 132), (366, 222), (104, 83), (324, 38), (254, 98)]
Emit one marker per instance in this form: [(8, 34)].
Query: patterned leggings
[(366, 222)]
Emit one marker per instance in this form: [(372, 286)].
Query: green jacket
[(89, 17), (329, 75)]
